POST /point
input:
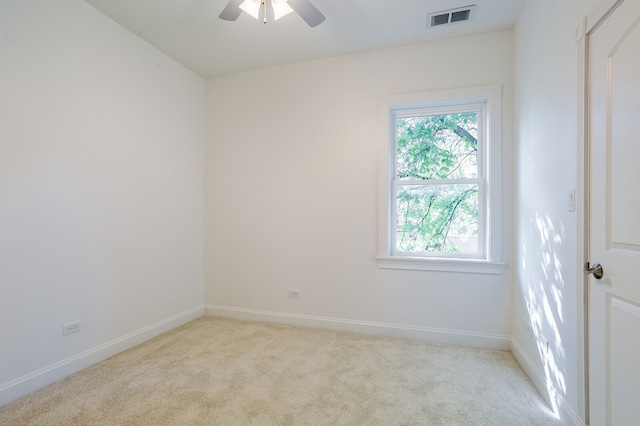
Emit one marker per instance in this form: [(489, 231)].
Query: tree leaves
[(437, 217), (436, 146)]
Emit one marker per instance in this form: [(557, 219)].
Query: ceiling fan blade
[(231, 11), (307, 11)]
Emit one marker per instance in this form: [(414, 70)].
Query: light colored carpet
[(215, 371)]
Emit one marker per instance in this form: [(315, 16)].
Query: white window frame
[(488, 101)]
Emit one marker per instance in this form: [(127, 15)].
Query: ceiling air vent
[(450, 16)]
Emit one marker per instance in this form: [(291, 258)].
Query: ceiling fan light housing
[(252, 7), (280, 8), (275, 8)]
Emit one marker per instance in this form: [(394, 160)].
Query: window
[(440, 181), (437, 181)]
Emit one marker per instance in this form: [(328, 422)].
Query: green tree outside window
[(436, 183)]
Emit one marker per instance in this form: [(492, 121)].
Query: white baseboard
[(553, 398), (24, 385), (454, 337)]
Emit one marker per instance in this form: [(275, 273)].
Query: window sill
[(470, 266)]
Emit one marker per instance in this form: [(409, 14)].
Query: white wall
[(291, 195), (101, 190), (547, 294)]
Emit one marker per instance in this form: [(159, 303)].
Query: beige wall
[(547, 292), (291, 195), (101, 190)]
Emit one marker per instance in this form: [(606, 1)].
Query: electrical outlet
[(294, 294), (543, 345), (543, 350), (571, 200), (71, 328)]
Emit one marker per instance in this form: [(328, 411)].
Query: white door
[(614, 223)]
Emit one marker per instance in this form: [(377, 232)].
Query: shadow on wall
[(543, 286)]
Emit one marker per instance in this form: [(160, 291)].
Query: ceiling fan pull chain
[(264, 4)]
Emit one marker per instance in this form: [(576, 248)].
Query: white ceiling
[(191, 32)]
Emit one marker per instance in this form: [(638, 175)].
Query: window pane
[(437, 218), (441, 146)]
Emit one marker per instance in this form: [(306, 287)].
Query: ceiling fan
[(307, 11)]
